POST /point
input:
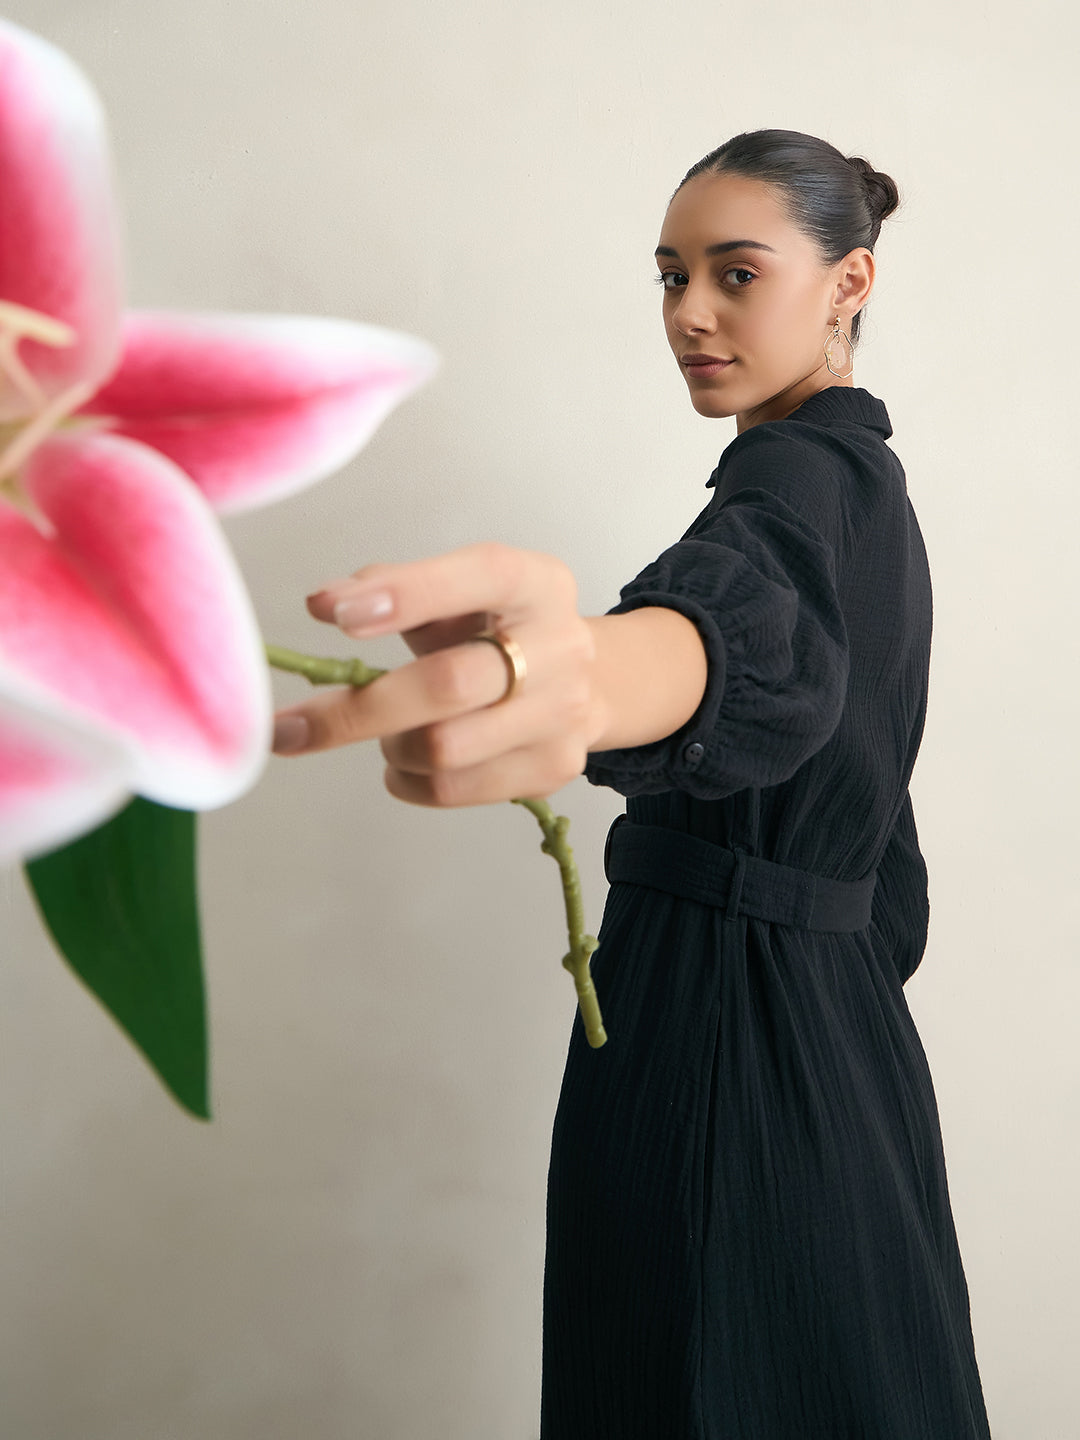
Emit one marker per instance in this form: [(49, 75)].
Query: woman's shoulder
[(823, 455)]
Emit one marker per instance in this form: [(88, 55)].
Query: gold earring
[(838, 334)]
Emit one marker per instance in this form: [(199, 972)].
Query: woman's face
[(767, 308)]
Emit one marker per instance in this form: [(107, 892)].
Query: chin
[(712, 407)]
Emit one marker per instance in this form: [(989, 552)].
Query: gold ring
[(512, 654)]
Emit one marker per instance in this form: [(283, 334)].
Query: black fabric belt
[(732, 880)]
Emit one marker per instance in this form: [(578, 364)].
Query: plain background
[(354, 1246)]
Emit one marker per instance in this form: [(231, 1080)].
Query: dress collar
[(845, 405), (836, 405)]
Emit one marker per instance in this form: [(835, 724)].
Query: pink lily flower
[(130, 656)]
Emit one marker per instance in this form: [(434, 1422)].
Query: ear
[(854, 279)]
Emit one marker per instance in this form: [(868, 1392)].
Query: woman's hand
[(446, 739)]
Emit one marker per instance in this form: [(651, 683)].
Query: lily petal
[(132, 611), (58, 778), (257, 407), (59, 248)]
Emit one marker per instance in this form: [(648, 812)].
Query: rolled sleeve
[(673, 762), (759, 583)]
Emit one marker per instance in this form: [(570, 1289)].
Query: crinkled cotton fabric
[(749, 1231)]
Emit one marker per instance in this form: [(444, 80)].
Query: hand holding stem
[(441, 678)]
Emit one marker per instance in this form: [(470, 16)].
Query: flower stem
[(576, 960), (321, 670), (325, 671)]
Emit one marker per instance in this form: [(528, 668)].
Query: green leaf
[(122, 907)]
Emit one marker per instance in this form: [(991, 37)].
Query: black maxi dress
[(749, 1231)]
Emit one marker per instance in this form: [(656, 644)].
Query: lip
[(701, 367)]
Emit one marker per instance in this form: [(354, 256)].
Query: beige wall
[(354, 1247)]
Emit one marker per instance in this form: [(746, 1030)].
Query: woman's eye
[(673, 275)]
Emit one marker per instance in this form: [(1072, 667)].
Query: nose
[(692, 313)]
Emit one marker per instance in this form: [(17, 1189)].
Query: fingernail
[(331, 586), (360, 611), (291, 732)]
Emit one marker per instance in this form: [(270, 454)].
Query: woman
[(749, 1228)]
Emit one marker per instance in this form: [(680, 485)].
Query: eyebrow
[(721, 248)]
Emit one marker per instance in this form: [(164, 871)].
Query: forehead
[(713, 208)]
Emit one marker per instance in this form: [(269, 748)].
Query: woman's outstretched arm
[(650, 670), (592, 683)]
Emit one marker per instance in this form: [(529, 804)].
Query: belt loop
[(734, 898), (607, 844)]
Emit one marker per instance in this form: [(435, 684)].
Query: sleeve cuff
[(673, 762)]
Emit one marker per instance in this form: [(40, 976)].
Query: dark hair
[(839, 202)]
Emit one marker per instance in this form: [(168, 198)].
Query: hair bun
[(881, 189)]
